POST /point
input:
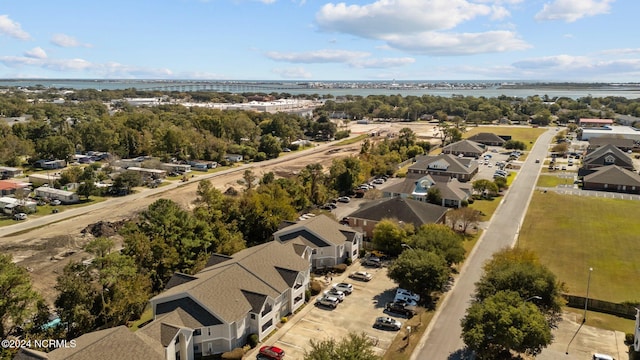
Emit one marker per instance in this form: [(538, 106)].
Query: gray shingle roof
[(597, 156), (613, 175), (190, 307), (110, 344), (486, 137), (256, 269), (406, 210), (445, 162), (320, 230), (464, 146)]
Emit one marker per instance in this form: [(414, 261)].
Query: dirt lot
[(45, 250)]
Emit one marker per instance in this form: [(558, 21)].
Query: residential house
[(208, 313), (147, 174), (10, 204), (180, 168), (66, 197), (233, 157), (612, 178), (331, 243), (233, 297), (406, 210), (41, 179), (9, 172), (488, 139), (448, 165), (466, 148), (452, 192), (51, 164), (621, 143), (607, 155), (11, 187), (116, 343)]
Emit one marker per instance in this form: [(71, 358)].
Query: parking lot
[(356, 313)]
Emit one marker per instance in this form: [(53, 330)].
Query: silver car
[(335, 293), (387, 323)]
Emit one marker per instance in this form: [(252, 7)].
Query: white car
[(406, 300), (55, 202), (361, 275), (335, 293), (20, 216), (408, 294), (344, 287), (329, 301)]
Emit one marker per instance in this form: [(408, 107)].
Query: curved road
[(442, 339)]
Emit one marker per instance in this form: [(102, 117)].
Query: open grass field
[(570, 234), (551, 181), (486, 207), (527, 135)]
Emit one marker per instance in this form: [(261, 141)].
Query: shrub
[(307, 295), (252, 340), (340, 268), (235, 354), (316, 287), (284, 319), (348, 261), (342, 134), (629, 338)]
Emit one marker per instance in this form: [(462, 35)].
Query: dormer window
[(609, 159)]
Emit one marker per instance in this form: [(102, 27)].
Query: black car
[(400, 308)]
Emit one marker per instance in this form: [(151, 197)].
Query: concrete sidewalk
[(588, 340)]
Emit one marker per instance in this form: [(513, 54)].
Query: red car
[(272, 352)]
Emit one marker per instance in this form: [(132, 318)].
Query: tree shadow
[(462, 354)]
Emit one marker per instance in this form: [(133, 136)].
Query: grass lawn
[(524, 134), (351, 140), (145, 317), (605, 321), (570, 234), (486, 207), (551, 181)]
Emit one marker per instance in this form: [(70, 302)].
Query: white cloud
[(385, 17), (499, 12), (356, 59), (13, 29), (382, 63), (318, 56), (36, 52), (435, 43), (618, 52), (107, 70), (293, 73), (64, 40), (572, 10)]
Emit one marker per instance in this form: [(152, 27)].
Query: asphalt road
[(442, 339)]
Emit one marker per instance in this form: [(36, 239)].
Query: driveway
[(356, 313)]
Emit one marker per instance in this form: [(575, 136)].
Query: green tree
[(502, 323), (388, 236), (346, 174), (18, 301), (420, 271), (312, 178), (515, 145), (486, 188), (462, 218), (434, 196), (270, 145), (127, 180), (100, 246), (76, 300), (353, 347), (521, 271), (440, 239)]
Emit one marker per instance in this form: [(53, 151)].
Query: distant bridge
[(235, 87)]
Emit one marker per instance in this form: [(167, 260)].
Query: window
[(267, 309), (197, 332), (267, 325), (253, 316)]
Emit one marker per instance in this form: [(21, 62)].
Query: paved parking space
[(356, 313)]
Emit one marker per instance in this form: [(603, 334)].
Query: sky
[(321, 40)]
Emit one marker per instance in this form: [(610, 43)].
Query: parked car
[(326, 207), (335, 293), (271, 352), (411, 295), (378, 181), (537, 161), (344, 287), (55, 202), (361, 275), (372, 261), (387, 323), (344, 199), (407, 311), (329, 301), (406, 300), (20, 216)]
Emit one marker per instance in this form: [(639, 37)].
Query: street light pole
[(407, 246), (533, 297), (586, 300)]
